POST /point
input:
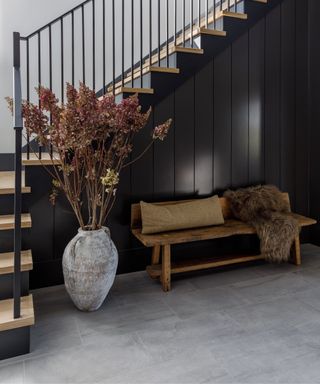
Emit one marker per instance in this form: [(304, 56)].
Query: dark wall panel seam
[(213, 113)]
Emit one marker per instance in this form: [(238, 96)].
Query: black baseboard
[(14, 342)]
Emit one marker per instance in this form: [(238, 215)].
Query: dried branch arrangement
[(92, 139)]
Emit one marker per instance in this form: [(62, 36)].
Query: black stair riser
[(7, 206), (6, 285), (14, 342), (6, 240)]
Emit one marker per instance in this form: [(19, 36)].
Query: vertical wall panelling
[(119, 219), (314, 86), (184, 139), (204, 131), (240, 111), (288, 89), (142, 170), (256, 102), (273, 97), (222, 121), (301, 104), (163, 165)]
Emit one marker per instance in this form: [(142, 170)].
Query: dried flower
[(110, 180), (56, 183), (161, 131)]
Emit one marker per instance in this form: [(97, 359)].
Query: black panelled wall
[(314, 114), (242, 119)]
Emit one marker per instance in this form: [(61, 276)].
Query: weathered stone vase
[(90, 263)]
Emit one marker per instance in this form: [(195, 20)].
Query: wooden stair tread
[(197, 264), (145, 71), (7, 262), (7, 181), (45, 159), (119, 90), (7, 221), (7, 321), (213, 32), (231, 227), (164, 70), (235, 15)]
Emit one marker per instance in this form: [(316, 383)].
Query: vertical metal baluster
[(191, 23), (39, 82), (167, 32), (50, 75), (93, 45), (28, 94), (221, 5), (62, 62), (122, 43), (183, 22), (228, 5), (236, 5), (83, 47), (214, 14), (141, 43), (207, 13), (113, 49), (39, 62), (132, 44), (199, 14), (104, 45), (72, 47), (159, 17), (175, 23), (150, 33)]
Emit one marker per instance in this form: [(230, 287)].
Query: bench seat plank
[(231, 227)]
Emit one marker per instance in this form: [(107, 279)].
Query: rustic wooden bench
[(161, 243)]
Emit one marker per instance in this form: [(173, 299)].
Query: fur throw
[(265, 209)]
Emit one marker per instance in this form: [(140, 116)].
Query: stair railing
[(110, 44), (17, 125)]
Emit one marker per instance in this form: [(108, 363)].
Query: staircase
[(122, 47), (14, 332)]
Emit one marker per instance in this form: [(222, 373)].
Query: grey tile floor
[(255, 324)]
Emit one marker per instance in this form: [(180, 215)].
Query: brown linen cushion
[(193, 214)]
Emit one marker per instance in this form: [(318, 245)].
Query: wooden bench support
[(297, 251), (166, 268), (155, 271), (155, 258)]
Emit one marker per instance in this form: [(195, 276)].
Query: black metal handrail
[(136, 33), (17, 125)]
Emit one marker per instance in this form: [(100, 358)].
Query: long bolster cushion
[(193, 214)]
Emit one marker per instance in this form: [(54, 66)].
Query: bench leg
[(155, 259), (166, 268), (297, 251)]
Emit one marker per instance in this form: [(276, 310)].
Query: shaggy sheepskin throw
[(266, 210)]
